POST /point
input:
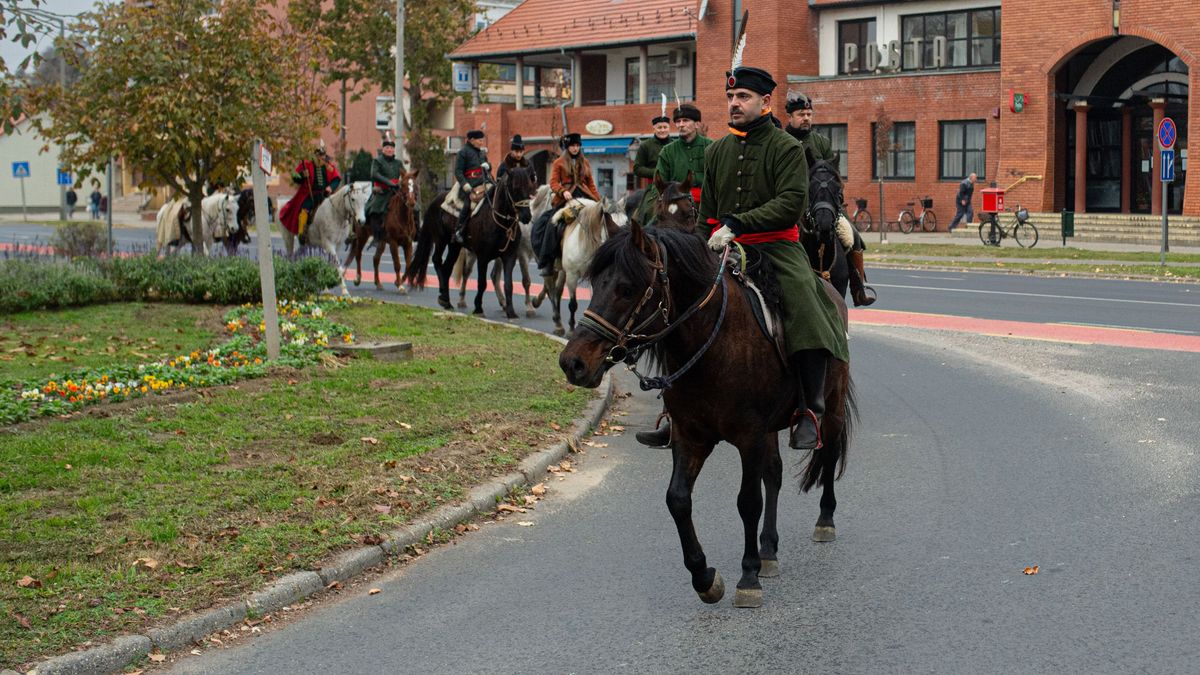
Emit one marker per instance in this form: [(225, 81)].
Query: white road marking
[(1040, 295)]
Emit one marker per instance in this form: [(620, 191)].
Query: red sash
[(473, 173), (696, 195), (789, 234)]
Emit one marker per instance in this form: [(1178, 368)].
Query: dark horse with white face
[(826, 253), (492, 232), (663, 294)]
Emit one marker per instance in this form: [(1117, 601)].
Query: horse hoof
[(478, 312), (511, 315), (462, 305), (770, 569), (824, 533), (530, 313), (716, 591), (748, 598), (558, 330), (402, 289), (378, 286), (358, 282)]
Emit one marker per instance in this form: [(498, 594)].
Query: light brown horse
[(399, 230)]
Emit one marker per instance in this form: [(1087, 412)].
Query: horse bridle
[(504, 185), (628, 341)]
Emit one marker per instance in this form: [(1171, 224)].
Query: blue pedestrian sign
[(1167, 133), (20, 169), (1167, 163), (64, 177)]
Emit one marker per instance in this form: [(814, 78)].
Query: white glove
[(721, 238), (466, 187), (487, 167)]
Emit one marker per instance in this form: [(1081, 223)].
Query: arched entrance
[(1116, 90)]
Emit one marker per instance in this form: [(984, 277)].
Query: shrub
[(41, 283), (46, 284), (84, 238)]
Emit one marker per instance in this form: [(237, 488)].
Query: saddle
[(454, 199), (761, 288)]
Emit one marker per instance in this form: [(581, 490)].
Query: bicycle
[(862, 217), (927, 218), (991, 232)]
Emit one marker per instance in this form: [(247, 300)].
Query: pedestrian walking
[(962, 203), (72, 200), (94, 200)]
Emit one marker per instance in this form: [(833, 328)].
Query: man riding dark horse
[(386, 170), (315, 180), (514, 158), (818, 148), (470, 171), (680, 158)]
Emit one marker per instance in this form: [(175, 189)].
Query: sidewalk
[(120, 218), (1050, 244)]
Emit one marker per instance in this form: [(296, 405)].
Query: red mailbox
[(993, 200)]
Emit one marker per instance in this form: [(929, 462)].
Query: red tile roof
[(541, 26)]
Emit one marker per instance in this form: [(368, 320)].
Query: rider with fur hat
[(570, 178), (514, 158), (386, 169), (315, 180), (470, 170), (817, 147)]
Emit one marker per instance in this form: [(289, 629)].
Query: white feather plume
[(678, 103), (737, 53), (664, 104)]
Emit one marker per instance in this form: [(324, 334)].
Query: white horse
[(218, 217), (594, 223), (173, 226), (332, 223), (466, 259)]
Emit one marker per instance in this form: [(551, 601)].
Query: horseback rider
[(570, 178), (679, 158), (315, 180), (756, 183), (646, 160), (514, 158), (386, 170), (470, 170), (817, 147)]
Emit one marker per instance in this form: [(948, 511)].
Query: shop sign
[(599, 127)]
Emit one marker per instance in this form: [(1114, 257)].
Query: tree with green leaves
[(180, 88), (21, 22)]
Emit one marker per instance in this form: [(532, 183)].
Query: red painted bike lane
[(1057, 332)]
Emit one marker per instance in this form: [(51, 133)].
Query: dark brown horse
[(826, 253), (493, 232), (675, 208), (399, 231), (664, 295)]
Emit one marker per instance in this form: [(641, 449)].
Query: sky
[(13, 53)]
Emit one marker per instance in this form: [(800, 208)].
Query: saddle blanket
[(453, 203)]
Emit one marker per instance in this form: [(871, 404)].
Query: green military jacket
[(674, 162), (761, 179), (468, 166), (383, 172), (646, 160), (816, 146)]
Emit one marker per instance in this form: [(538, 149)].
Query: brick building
[(1060, 97)]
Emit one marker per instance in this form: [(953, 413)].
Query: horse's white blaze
[(672, 209)]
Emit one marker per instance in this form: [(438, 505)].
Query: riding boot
[(463, 216), (809, 369), (858, 291), (660, 437), (303, 221)]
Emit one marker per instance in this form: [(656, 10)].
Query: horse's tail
[(460, 268), (831, 457), (415, 274)]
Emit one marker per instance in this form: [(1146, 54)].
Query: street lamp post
[(398, 108), (62, 83)]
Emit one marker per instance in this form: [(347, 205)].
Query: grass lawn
[(1118, 263), (125, 515)]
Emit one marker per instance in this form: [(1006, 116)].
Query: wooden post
[(266, 263)]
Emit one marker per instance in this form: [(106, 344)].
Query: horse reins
[(823, 185), (510, 230), (623, 351)]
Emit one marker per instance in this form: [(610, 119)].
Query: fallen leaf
[(1032, 570), (525, 523), (291, 382), (530, 500), (374, 591), (158, 658), (507, 508), (390, 464), (555, 426), (145, 564), (24, 622), (29, 582), (196, 652), (382, 508), (369, 439), (333, 585), (404, 425), (538, 490)]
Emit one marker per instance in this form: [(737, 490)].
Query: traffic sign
[(64, 177), (1167, 133), (20, 169), (264, 159), (1166, 162)]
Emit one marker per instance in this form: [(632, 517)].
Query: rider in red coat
[(315, 180)]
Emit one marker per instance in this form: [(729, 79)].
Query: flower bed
[(305, 333)]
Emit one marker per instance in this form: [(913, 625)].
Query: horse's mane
[(591, 220), (687, 255), (541, 201)]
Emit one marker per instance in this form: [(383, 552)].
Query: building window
[(964, 149), (901, 158), (854, 39), (660, 79), (836, 133), (971, 39)]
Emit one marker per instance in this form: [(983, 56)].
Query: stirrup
[(798, 418), (869, 296), (652, 439)]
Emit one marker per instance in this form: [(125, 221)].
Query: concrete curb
[(114, 656)]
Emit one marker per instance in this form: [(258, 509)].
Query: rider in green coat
[(386, 170), (677, 159), (756, 185)]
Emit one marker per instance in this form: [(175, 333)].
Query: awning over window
[(618, 145)]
